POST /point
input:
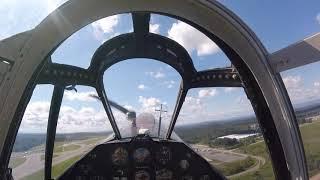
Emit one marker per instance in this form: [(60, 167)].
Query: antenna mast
[(160, 117)]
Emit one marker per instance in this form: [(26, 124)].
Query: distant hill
[(212, 129), (25, 142), (208, 130)]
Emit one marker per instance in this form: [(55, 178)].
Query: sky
[(149, 83)]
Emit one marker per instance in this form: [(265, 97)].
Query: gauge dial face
[(142, 175), (85, 168), (120, 156), (184, 164), (164, 174), (205, 177), (142, 155), (164, 155)]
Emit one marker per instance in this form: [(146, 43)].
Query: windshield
[(218, 122), (145, 87)]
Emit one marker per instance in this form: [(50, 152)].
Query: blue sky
[(148, 83)]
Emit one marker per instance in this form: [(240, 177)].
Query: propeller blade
[(114, 104)]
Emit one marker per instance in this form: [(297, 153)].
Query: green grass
[(93, 140), (266, 171), (65, 148), (235, 167), (54, 156), (35, 176), (57, 169), (15, 162), (215, 161), (311, 139)]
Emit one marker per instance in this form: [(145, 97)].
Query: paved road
[(218, 154), (34, 163)]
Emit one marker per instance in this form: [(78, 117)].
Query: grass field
[(63, 148), (53, 156), (311, 139), (57, 170), (92, 141), (14, 162), (235, 167), (265, 172)]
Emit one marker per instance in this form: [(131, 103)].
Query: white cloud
[(230, 89), (292, 82), (156, 75), (154, 28), (84, 119), (36, 116), (299, 92), (169, 84), (295, 87), (207, 93), (142, 87), (80, 96), (105, 26), (192, 39), (71, 119), (195, 110), (193, 104), (318, 18), (149, 104)]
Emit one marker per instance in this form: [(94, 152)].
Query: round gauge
[(205, 177), (164, 155), (141, 155), (184, 164), (120, 156), (164, 174), (85, 168), (142, 175)]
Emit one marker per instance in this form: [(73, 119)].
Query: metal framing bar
[(54, 73), (128, 46), (141, 23), (104, 99), (179, 102), (219, 77), (56, 101)]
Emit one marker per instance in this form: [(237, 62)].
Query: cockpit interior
[(145, 143)]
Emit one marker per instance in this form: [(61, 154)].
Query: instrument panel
[(142, 159)]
